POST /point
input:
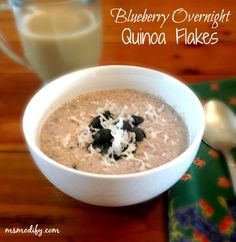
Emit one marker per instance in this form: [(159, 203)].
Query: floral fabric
[(202, 206)]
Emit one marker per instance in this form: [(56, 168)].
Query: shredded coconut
[(73, 118), (166, 138), (84, 138), (94, 102), (106, 123), (161, 108), (136, 112), (146, 156), (122, 144), (163, 120), (152, 146), (153, 134), (92, 150), (148, 165), (66, 140), (151, 113)]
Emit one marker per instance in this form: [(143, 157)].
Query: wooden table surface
[(27, 198)]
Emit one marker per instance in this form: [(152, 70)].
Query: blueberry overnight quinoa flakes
[(115, 131)]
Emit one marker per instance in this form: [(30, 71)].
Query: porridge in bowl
[(116, 131)]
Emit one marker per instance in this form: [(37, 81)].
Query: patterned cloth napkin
[(201, 205)]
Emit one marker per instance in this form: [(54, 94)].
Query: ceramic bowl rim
[(190, 149)]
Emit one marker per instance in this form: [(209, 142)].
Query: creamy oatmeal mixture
[(116, 131)]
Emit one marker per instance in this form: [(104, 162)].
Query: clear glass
[(58, 36)]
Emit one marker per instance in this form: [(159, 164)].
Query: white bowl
[(114, 190)]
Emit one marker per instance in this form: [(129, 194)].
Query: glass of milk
[(58, 36)]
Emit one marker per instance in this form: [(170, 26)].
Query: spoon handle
[(231, 167)]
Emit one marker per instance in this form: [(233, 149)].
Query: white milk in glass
[(59, 39)]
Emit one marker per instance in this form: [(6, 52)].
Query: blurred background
[(190, 63)]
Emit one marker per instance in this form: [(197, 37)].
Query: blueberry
[(106, 147), (116, 157), (93, 132), (96, 123), (137, 120), (103, 147), (139, 133), (102, 136), (126, 126), (97, 146), (107, 114)]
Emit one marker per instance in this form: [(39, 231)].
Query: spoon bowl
[(220, 129), (220, 132)]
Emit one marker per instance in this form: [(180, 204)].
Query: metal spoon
[(220, 132)]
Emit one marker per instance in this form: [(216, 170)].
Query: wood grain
[(26, 197), (33, 200)]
